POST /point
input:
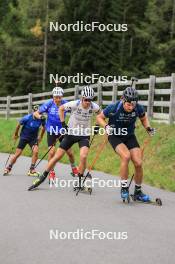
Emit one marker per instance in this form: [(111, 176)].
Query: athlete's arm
[(100, 119), (15, 136), (69, 106), (41, 134), (37, 115), (42, 109), (61, 113), (145, 122)]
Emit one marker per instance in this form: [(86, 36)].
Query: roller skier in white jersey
[(78, 131)]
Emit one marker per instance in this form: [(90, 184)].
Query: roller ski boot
[(52, 176), (7, 171), (141, 197), (38, 181), (74, 172), (125, 194), (33, 173)]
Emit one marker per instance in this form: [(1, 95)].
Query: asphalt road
[(27, 219)]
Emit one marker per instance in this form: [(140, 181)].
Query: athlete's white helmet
[(57, 91), (87, 92)]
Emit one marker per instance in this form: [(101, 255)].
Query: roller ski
[(125, 194), (140, 197), (74, 172), (37, 182), (81, 184), (33, 173), (7, 171)]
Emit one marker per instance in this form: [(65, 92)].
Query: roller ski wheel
[(126, 200), (89, 189), (157, 201)]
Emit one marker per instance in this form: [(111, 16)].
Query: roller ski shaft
[(157, 201), (33, 173), (37, 182), (81, 186)]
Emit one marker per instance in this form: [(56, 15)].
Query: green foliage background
[(146, 48)]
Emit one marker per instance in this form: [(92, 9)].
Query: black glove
[(64, 126), (96, 129), (43, 117), (151, 131)]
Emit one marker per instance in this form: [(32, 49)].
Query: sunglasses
[(87, 100)]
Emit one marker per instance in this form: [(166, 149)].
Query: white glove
[(109, 130)]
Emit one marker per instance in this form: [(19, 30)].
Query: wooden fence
[(157, 94)]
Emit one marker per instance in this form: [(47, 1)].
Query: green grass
[(159, 155)]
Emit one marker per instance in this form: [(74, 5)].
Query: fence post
[(172, 100), (152, 82), (115, 92), (76, 93), (8, 107), (99, 94), (29, 103)]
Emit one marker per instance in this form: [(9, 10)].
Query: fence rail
[(157, 94)]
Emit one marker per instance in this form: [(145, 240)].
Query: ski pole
[(133, 80), (47, 151), (93, 163), (98, 154), (11, 152), (90, 143)]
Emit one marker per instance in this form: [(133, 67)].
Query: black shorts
[(69, 140), (23, 142), (51, 139), (130, 141)]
